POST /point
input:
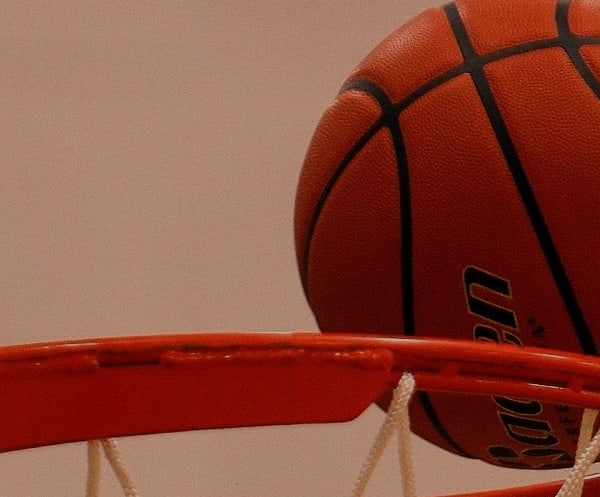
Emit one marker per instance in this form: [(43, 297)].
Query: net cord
[(397, 418), (588, 449), (94, 467), (113, 454)]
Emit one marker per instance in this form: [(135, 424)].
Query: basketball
[(452, 189)]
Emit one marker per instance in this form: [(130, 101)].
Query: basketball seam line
[(406, 233), (436, 422), (364, 139), (410, 99), (476, 68), (473, 65), (572, 44), (463, 68), (484, 60), (525, 189), (389, 119)]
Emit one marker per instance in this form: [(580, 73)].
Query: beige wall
[(149, 154)]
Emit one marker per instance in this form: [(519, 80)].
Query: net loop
[(113, 455), (397, 418), (588, 449)]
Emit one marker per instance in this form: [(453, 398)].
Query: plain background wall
[(149, 155)]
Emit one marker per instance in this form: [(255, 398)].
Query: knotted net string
[(397, 418), (112, 453), (588, 449)]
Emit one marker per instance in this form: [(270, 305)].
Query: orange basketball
[(452, 189)]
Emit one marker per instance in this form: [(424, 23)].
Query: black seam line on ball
[(572, 44), (434, 419), (464, 68), (415, 95), (364, 139), (390, 120), (378, 95), (521, 181)]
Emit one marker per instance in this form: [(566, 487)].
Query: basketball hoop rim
[(453, 360), (86, 389)]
